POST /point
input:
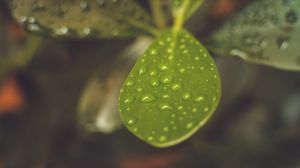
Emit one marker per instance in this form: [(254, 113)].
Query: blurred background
[(58, 104)]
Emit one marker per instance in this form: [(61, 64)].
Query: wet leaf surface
[(171, 91), (266, 32), (77, 18)]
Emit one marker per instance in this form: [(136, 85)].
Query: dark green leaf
[(270, 37), (77, 18), (171, 91)]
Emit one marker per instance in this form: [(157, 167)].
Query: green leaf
[(183, 9), (77, 18), (171, 91), (270, 37)]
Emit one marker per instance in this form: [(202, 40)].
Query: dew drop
[(187, 95), (131, 122), (162, 138), (128, 100), (147, 98), (62, 31), (153, 73), (194, 110), (130, 83), (150, 138), (206, 109), (140, 90), (167, 79), (165, 96), (199, 99), (38, 6), (84, 6), (176, 86), (153, 52), (164, 67), (154, 82), (189, 125), (142, 70), (166, 129), (86, 31), (283, 43), (165, 107), (180, 108), (291, 17), (182, 70)]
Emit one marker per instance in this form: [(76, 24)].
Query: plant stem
[(150, 29), (158, 14), (180, 14)]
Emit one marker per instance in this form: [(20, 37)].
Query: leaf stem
[(180, 14), (150, 29), (158, 14)]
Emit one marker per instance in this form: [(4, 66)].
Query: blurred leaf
[(171, 91), (186, 8), (98, 106), (266, 32), (77, 18)]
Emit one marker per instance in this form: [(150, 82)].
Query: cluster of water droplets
[(160, 87), (265, 32), (80, 18)]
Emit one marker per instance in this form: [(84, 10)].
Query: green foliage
[(171, 91), (76, 18), (174, 87), (269, 37)]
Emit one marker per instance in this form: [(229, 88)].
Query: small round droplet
[(187, 95), (166, 129), (140, 90), (150, 138), (176, 86), (62, 31), (130, 83), (128, 100), (135, 129), (291, 17), (165, 107), (153, 52), (153, 73), (199, 99), (180, 108), (165, 96), (131, 122), (189, 125), (162, 138), (206, 109), (147, 98), (164, 67), (154, 82), (142, 70), (167, 79), (84, 6), (182, 70)]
